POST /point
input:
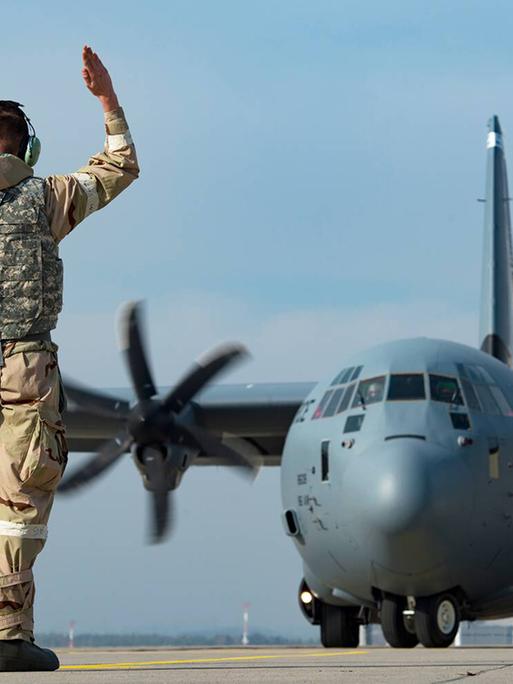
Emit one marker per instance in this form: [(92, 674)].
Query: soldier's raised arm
[(71, 198)]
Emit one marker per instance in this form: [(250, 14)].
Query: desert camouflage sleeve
[(70, 199)]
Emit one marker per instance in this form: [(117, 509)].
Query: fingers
[(87, 77), (91, 60), (86, 55)]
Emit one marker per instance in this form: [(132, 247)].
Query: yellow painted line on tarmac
[(194, 661)]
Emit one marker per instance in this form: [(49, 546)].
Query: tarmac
[(298, 665)]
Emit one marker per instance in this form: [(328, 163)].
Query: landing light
[(306, 597)]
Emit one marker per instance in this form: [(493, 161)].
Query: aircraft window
[(492, 398), (486, 377), (322, 404), (470, 395), (445, 389), (333, 403), (404, 387), (487, 400), (370, 391), (356, 373), (354, 423), (346, 398), (462, 370), (507, 390), (336, 380), (347, 374), (501, 400), (460, 421), (474, 374)]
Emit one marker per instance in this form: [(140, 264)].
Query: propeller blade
[(205, 368), (98, 464), (212, 446), (162, 515), (96, 402), (130, 332)]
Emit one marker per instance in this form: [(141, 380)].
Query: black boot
[(18, 655)]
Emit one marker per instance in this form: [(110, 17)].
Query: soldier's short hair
[(13, 127)]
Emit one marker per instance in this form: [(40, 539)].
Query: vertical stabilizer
[(496, 326)]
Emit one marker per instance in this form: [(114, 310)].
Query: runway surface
[(298, 665)]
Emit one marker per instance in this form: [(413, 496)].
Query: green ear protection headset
[(30, 147)]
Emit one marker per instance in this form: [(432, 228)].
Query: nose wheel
[(398, 629), (437, 619)]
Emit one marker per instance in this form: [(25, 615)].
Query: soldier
[(35, 215)]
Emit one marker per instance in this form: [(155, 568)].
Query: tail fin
[(496, 325)]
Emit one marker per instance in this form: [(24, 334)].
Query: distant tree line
[(61, 640)]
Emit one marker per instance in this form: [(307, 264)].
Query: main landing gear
[(339, 626), (434, 622)]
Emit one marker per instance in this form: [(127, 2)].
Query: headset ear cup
[(33, 150)]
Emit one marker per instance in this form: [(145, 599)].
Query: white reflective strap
[(493, 140), (88, 185), (11, 529), (117, 142)]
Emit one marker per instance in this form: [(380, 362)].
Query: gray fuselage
[(417, 497)]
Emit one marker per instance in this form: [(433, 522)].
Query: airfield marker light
[(306, 597), (465, 441), (71, 634), (245, 624)]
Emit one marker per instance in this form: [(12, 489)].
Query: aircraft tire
[(437, 620), (339, 627), (393, 624)]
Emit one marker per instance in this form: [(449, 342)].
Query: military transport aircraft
[(397, 472)]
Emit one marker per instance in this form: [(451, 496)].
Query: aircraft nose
[(396, 494), (399, 495)]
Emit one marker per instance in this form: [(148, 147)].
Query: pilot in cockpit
[(374, 393)]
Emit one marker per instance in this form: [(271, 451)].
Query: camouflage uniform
[(32, 436)]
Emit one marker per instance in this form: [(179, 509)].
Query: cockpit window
[(405, 387), (322, 404), (482, 392), (354, 423), (446, 389), (346, 399), (333, 403), (474, 374), (356, 373), (460, 421), (336, 379), (344, 376), (487, 400), (370, 391), (470, 395)]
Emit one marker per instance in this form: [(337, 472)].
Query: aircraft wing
[(252, 418)]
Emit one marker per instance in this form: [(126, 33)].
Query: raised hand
[(97, 79)]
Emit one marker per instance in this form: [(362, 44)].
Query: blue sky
[(309, 180)]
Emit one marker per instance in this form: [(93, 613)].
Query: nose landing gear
[(398, 628), (434, 623), (437, 619)]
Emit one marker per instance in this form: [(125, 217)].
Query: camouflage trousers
[(33, 455)]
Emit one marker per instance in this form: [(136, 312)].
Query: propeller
[(161, 433)]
